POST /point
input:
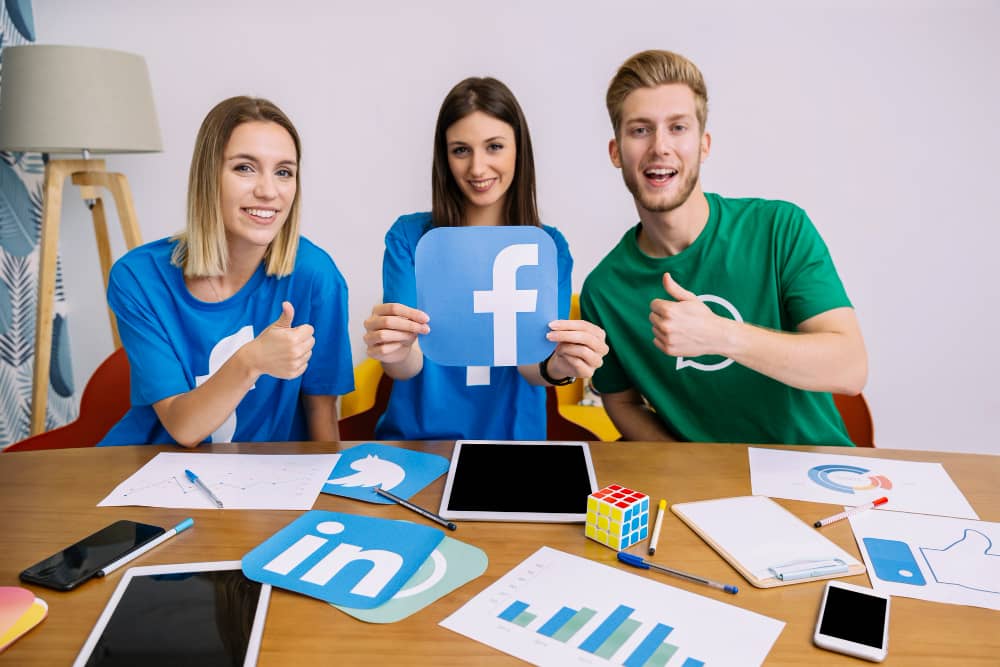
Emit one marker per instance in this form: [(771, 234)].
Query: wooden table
[(49, 499)]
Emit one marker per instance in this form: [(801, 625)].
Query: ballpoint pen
[(416, 508), (129, 557), (201, 485), (640, 562)]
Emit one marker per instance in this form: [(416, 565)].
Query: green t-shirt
[(756, 260)]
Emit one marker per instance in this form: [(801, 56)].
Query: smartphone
[(77, 563), (853, 620)]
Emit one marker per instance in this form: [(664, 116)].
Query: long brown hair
[(493, 98)]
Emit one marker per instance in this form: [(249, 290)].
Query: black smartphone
[(77, 563)]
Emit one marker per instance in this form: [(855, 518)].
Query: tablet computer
[(184, 614), (519, 481)]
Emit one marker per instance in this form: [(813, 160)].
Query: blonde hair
[(652, 68), (201, 248)]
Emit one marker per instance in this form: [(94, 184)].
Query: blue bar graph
[(555, 624), (648, 646), (605, 629), (511, 612)]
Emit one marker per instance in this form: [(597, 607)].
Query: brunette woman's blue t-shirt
[(175, 342), (437, 403)]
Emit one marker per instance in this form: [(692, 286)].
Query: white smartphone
[(853, 620)]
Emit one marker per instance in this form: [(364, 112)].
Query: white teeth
[(261, 212), (661, 172)]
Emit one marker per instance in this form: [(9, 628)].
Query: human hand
[(580, 350), (685, 327), (392, 329), (281, 350)]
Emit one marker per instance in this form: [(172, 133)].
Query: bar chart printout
[(615, 616)]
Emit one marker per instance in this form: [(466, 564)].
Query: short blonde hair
[(201, 248), (649, 69)]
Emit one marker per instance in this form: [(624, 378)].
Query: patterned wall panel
[(21, 180)]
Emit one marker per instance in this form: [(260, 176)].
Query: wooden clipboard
[(754, 533)]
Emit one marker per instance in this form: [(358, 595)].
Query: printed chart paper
[(934, 558), (559, 609), (241, 481), (910, 486)]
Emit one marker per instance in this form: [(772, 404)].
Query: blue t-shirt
[(175, 342), (437, 403)]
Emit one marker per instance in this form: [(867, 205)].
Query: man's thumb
[(675, 290), (287, 313)]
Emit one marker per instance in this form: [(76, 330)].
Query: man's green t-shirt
[(758, 261)]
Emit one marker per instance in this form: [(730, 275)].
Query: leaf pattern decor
[(21, 180)]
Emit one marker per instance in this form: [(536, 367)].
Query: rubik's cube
[(617, 516)]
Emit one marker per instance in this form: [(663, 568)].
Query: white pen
[(132, 555), (851, 512), (201, 485)]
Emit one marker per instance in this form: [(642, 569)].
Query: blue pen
[(201, 485), (129, 557), (638, 561)]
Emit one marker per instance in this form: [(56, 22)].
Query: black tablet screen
[(196, 618), (495, 477)]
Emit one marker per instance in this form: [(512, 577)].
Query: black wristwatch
[(543, 370)]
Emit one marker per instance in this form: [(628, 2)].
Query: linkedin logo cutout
[(344, 559)]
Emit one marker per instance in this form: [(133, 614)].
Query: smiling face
[(661, 147), (257, 185), (482, 156)]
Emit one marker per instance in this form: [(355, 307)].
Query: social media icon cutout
[(402, 471), (970, 562), (490, 293), (451, 565), (343, 559), (893, 561)]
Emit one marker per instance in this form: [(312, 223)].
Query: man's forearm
[(826, 354)]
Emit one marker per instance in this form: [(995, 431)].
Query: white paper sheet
[(935, 558), (241, 481), (910, 486), (559, 609)]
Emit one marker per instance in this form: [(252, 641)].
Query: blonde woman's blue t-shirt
[(175, 342)]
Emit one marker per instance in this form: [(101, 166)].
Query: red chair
[(105, 400), (857, 418)]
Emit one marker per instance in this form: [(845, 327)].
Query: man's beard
[(657, 203)]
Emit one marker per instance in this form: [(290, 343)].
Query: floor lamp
[(75, 100)]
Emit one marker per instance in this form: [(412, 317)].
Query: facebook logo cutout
[(490, 293), (353, 561)]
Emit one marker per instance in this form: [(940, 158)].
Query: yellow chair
[(360, 409), (591, 417)]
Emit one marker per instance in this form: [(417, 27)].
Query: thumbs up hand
[(685, 326), (281, 350)]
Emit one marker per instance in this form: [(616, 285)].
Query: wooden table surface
[(49, 499)]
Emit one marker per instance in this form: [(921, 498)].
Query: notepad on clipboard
[(766, 543)]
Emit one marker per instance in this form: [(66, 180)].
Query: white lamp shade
[(65, 99)]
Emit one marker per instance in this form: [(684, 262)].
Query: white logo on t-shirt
[(220, 354), (711, 298)]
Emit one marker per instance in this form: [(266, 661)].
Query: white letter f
[(505, 301)]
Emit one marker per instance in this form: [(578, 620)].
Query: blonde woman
[(236, 328)]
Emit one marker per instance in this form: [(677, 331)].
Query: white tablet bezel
[(256, 630), (535, 517), (846, 646)]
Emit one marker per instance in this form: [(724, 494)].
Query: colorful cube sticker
[(617, 516)]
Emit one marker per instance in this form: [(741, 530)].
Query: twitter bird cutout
[(363, 467)]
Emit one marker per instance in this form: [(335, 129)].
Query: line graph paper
[(241, 481)]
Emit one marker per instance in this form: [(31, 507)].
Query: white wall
[(879, 119)]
